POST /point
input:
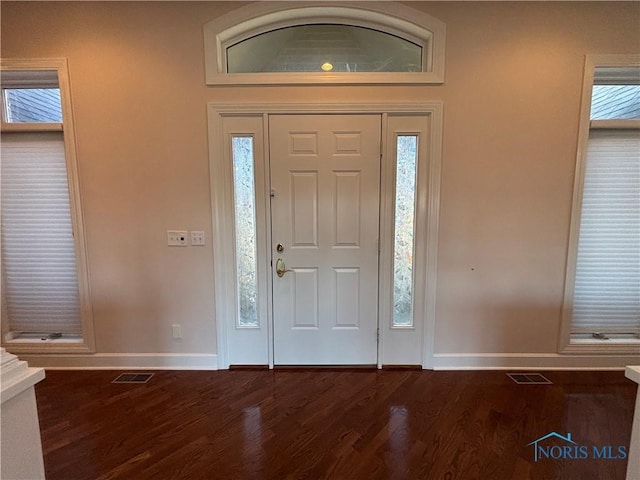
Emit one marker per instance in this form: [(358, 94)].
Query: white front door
[(325, 180)]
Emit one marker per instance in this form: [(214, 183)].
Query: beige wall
[(511, 99)]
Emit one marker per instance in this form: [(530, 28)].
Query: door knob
[(281, 269)]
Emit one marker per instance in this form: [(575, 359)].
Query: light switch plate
[(177, 238), (197, 238)]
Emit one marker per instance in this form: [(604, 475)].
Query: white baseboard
[(442, 361), (123, 361), (531, 361)]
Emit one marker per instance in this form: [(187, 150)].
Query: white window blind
[(40, 288), (607, 288)]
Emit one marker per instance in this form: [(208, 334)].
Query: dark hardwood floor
[(337, 424)]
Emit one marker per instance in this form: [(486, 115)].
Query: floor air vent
[(529, 378), (133, 378)]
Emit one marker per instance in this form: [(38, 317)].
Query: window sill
[(338, 78), (35, 344), (612, 346)]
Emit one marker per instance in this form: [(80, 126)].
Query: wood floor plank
[(333, 424)]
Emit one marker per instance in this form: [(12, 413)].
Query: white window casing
[(602, 272), (260, 17), (413, 343), (238, 343), (38, 144)]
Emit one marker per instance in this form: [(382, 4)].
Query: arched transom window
[(273, 43)]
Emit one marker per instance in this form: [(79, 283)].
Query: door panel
[(304, 208), (325, 176)]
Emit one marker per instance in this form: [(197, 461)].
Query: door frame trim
[(222, 208)]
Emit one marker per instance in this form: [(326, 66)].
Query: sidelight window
[(405, 199), (245, 230)]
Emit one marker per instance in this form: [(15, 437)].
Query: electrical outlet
[(177, 238), (176, 331), (197, 238)]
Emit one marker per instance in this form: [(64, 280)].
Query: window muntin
[(324, 47), (404, 230), (245, 231)]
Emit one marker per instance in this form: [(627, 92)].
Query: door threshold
[(401, 367), (326, 367), (248, 367)]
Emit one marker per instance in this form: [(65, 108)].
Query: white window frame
[(261, 17), (565, 344), (402, 343), (254, 346), (60, 65), (254, 339)]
